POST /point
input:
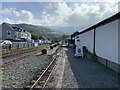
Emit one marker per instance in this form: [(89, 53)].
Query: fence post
[(18, 46), (6, 47), (24, 45), (9, 47), (28, 44)]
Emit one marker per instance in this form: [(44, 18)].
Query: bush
[(56, 44), (85, 50), (94, 54), (44, 51), (50, 43), (51, 47)]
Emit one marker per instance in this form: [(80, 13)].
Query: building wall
[(77, 38), (119, 40), (86, 39), (28, 36), (14, 33), (5, 29), (0, 32), (106, 41)]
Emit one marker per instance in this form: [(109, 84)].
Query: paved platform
[(88, 74)]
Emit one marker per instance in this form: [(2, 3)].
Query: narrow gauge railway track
[(19, 54), (6, 55), (43, 76), (16, 59), (9, 62)]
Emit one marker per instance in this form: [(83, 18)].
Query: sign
[(79, 52)]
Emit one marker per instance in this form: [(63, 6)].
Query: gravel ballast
[(55, 80), (58, 78), (19, 74)]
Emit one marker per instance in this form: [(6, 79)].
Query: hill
[(40, 31)]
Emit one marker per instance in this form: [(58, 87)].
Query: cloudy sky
[(82, 14)]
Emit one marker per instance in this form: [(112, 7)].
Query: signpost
[(79, 52)]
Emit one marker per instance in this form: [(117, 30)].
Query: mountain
[(41, 31), (68, 30)]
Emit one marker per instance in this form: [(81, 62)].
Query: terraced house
[(14, 33), (103, 39)]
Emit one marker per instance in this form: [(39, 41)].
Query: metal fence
[(16, 46)]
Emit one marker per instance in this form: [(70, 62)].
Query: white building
[(104, 40), (21, 33)]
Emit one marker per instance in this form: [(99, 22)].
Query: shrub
[(44, 51), (85, 49), (93, 55), (51, 47)]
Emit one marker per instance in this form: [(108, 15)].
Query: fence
[(16, 46)]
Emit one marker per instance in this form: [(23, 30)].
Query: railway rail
[(16, 59), (10, 61), (43, 76), (19, 58), (18, 52), (9, 54)]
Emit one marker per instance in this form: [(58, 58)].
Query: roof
[(74, 34), (105, 21)]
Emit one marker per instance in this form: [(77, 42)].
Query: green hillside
[(40, 31)]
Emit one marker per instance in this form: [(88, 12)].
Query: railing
[(16, 46)]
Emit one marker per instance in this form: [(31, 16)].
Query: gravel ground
[(55, 80), (88, 74), (4, 60), (69, 80), (62, 76), (20, 73), (19, 55), (69, 72)]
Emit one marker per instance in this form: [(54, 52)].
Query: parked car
[(5, 42)]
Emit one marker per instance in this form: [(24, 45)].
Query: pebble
[(19, 74)]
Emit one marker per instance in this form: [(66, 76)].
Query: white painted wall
[(77, 43), (86, 39), (107, 41), (119, 40)]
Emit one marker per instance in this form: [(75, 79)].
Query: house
[(103, 39), (21, 33), (7, 32), (14, 33)]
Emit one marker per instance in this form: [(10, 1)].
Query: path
[(87, 74)]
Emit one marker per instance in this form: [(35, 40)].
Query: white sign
[(79, 51)]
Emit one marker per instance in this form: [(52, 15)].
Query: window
[(8, 34), (78, 40), (77, 36)]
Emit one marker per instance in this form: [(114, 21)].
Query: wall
[(77, 38), (0, 32), (106, 41), (6, 28), (119, 40), (86, 39)]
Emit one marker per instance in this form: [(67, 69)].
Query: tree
[(34, 36)]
